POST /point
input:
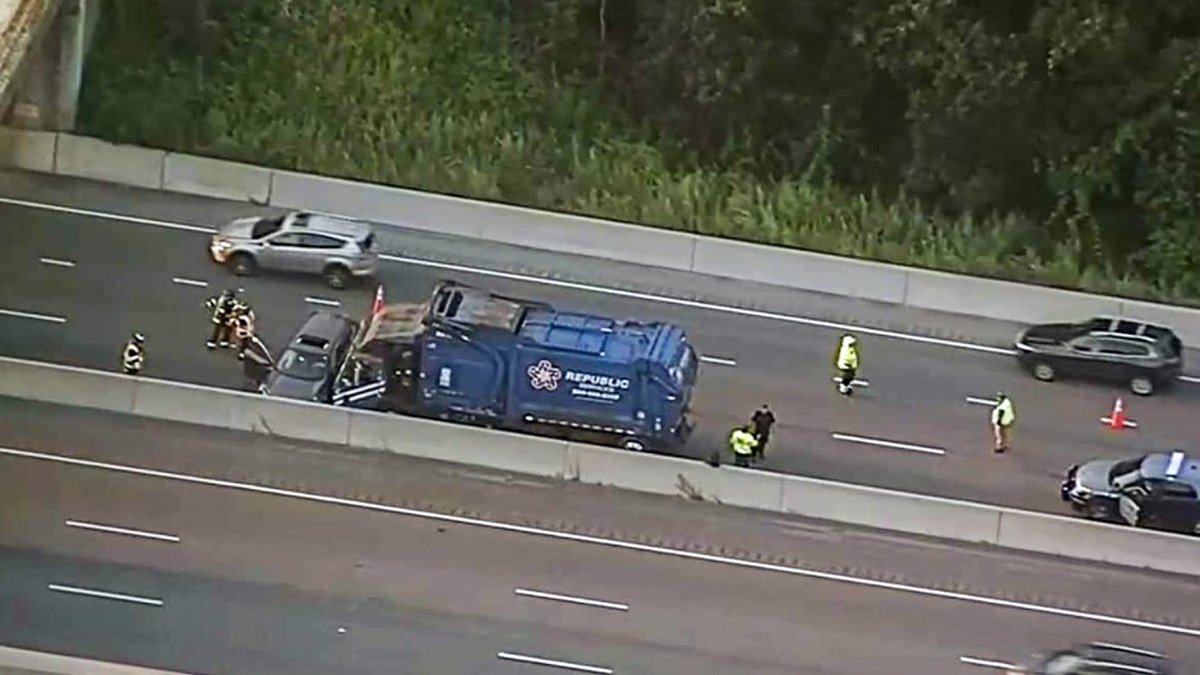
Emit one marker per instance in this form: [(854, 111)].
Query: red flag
[(377, 306)]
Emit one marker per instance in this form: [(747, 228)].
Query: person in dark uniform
[(133, 357), (762, 421)]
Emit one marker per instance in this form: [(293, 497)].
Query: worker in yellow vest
[(1003, 417), (847, 364), (742, 442)]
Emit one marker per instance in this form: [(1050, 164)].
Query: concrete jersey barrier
[(690, 479), (68, 155)]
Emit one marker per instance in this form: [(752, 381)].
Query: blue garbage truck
[(474, 356)]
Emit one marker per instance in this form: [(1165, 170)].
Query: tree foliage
[(1050, 140)]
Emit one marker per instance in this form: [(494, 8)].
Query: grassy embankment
[(433, 99)]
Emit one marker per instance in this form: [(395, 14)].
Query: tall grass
[(428, 95)]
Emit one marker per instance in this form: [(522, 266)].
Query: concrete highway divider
[(688, 479), (68, 155), (15, 661)]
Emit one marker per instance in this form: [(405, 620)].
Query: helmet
[(849, 339), (138, 337), (1000, 396)]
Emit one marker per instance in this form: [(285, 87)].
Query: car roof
[(1174, 465), (321, 330), (307, 221), (1127, 327)]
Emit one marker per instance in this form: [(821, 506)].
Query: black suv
[(1157, 490), (306, 368), (1098, 658), (1143, 355)]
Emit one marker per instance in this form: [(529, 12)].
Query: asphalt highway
[(91, 278), (212, 578)]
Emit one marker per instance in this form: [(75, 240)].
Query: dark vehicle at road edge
[(1097, 658), (1157, 490), (1143, 355), (305, 367)]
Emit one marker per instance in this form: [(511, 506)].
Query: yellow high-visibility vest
[(1003, 413)]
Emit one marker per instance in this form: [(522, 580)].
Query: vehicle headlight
[(223, 244), (1081, 491)]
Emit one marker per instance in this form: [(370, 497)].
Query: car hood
[(1094, 475), (284, 386), (238, 229)]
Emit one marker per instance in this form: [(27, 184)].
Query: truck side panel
[(458, 375), (558, 387)]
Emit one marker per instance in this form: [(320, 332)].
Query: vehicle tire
[(337, 276), (633, 445), (243, 264), (1043, 371), (1142, 386)]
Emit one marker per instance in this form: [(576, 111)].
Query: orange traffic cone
[(1116, 419)]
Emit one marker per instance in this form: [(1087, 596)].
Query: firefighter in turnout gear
[(847, 363), (1003, 417), (243, 327), (742, 442), (221, 307), (133, 357)]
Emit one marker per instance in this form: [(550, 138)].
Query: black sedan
[(1142, 355)]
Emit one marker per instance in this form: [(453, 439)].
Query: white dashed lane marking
[(322, 301), (92, 593), (986, 663), (888, 444), (32, 315), (56, 262), (718, 360), (189, 282), (111, 529)]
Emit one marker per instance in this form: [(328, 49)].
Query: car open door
[(1130, 508)]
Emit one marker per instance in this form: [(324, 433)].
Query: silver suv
[(338, 249)]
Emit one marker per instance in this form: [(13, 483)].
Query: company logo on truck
[(545, 376)]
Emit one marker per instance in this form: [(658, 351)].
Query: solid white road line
[(121, 530), (819, 323), (56, 262), (888, 444), (188, 282), (612, 543), (718, 360), (323, 301), (981, 401), (986, 663), (570, 598), (31, 315), (75, 590), (566, 665), (106, 216)]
